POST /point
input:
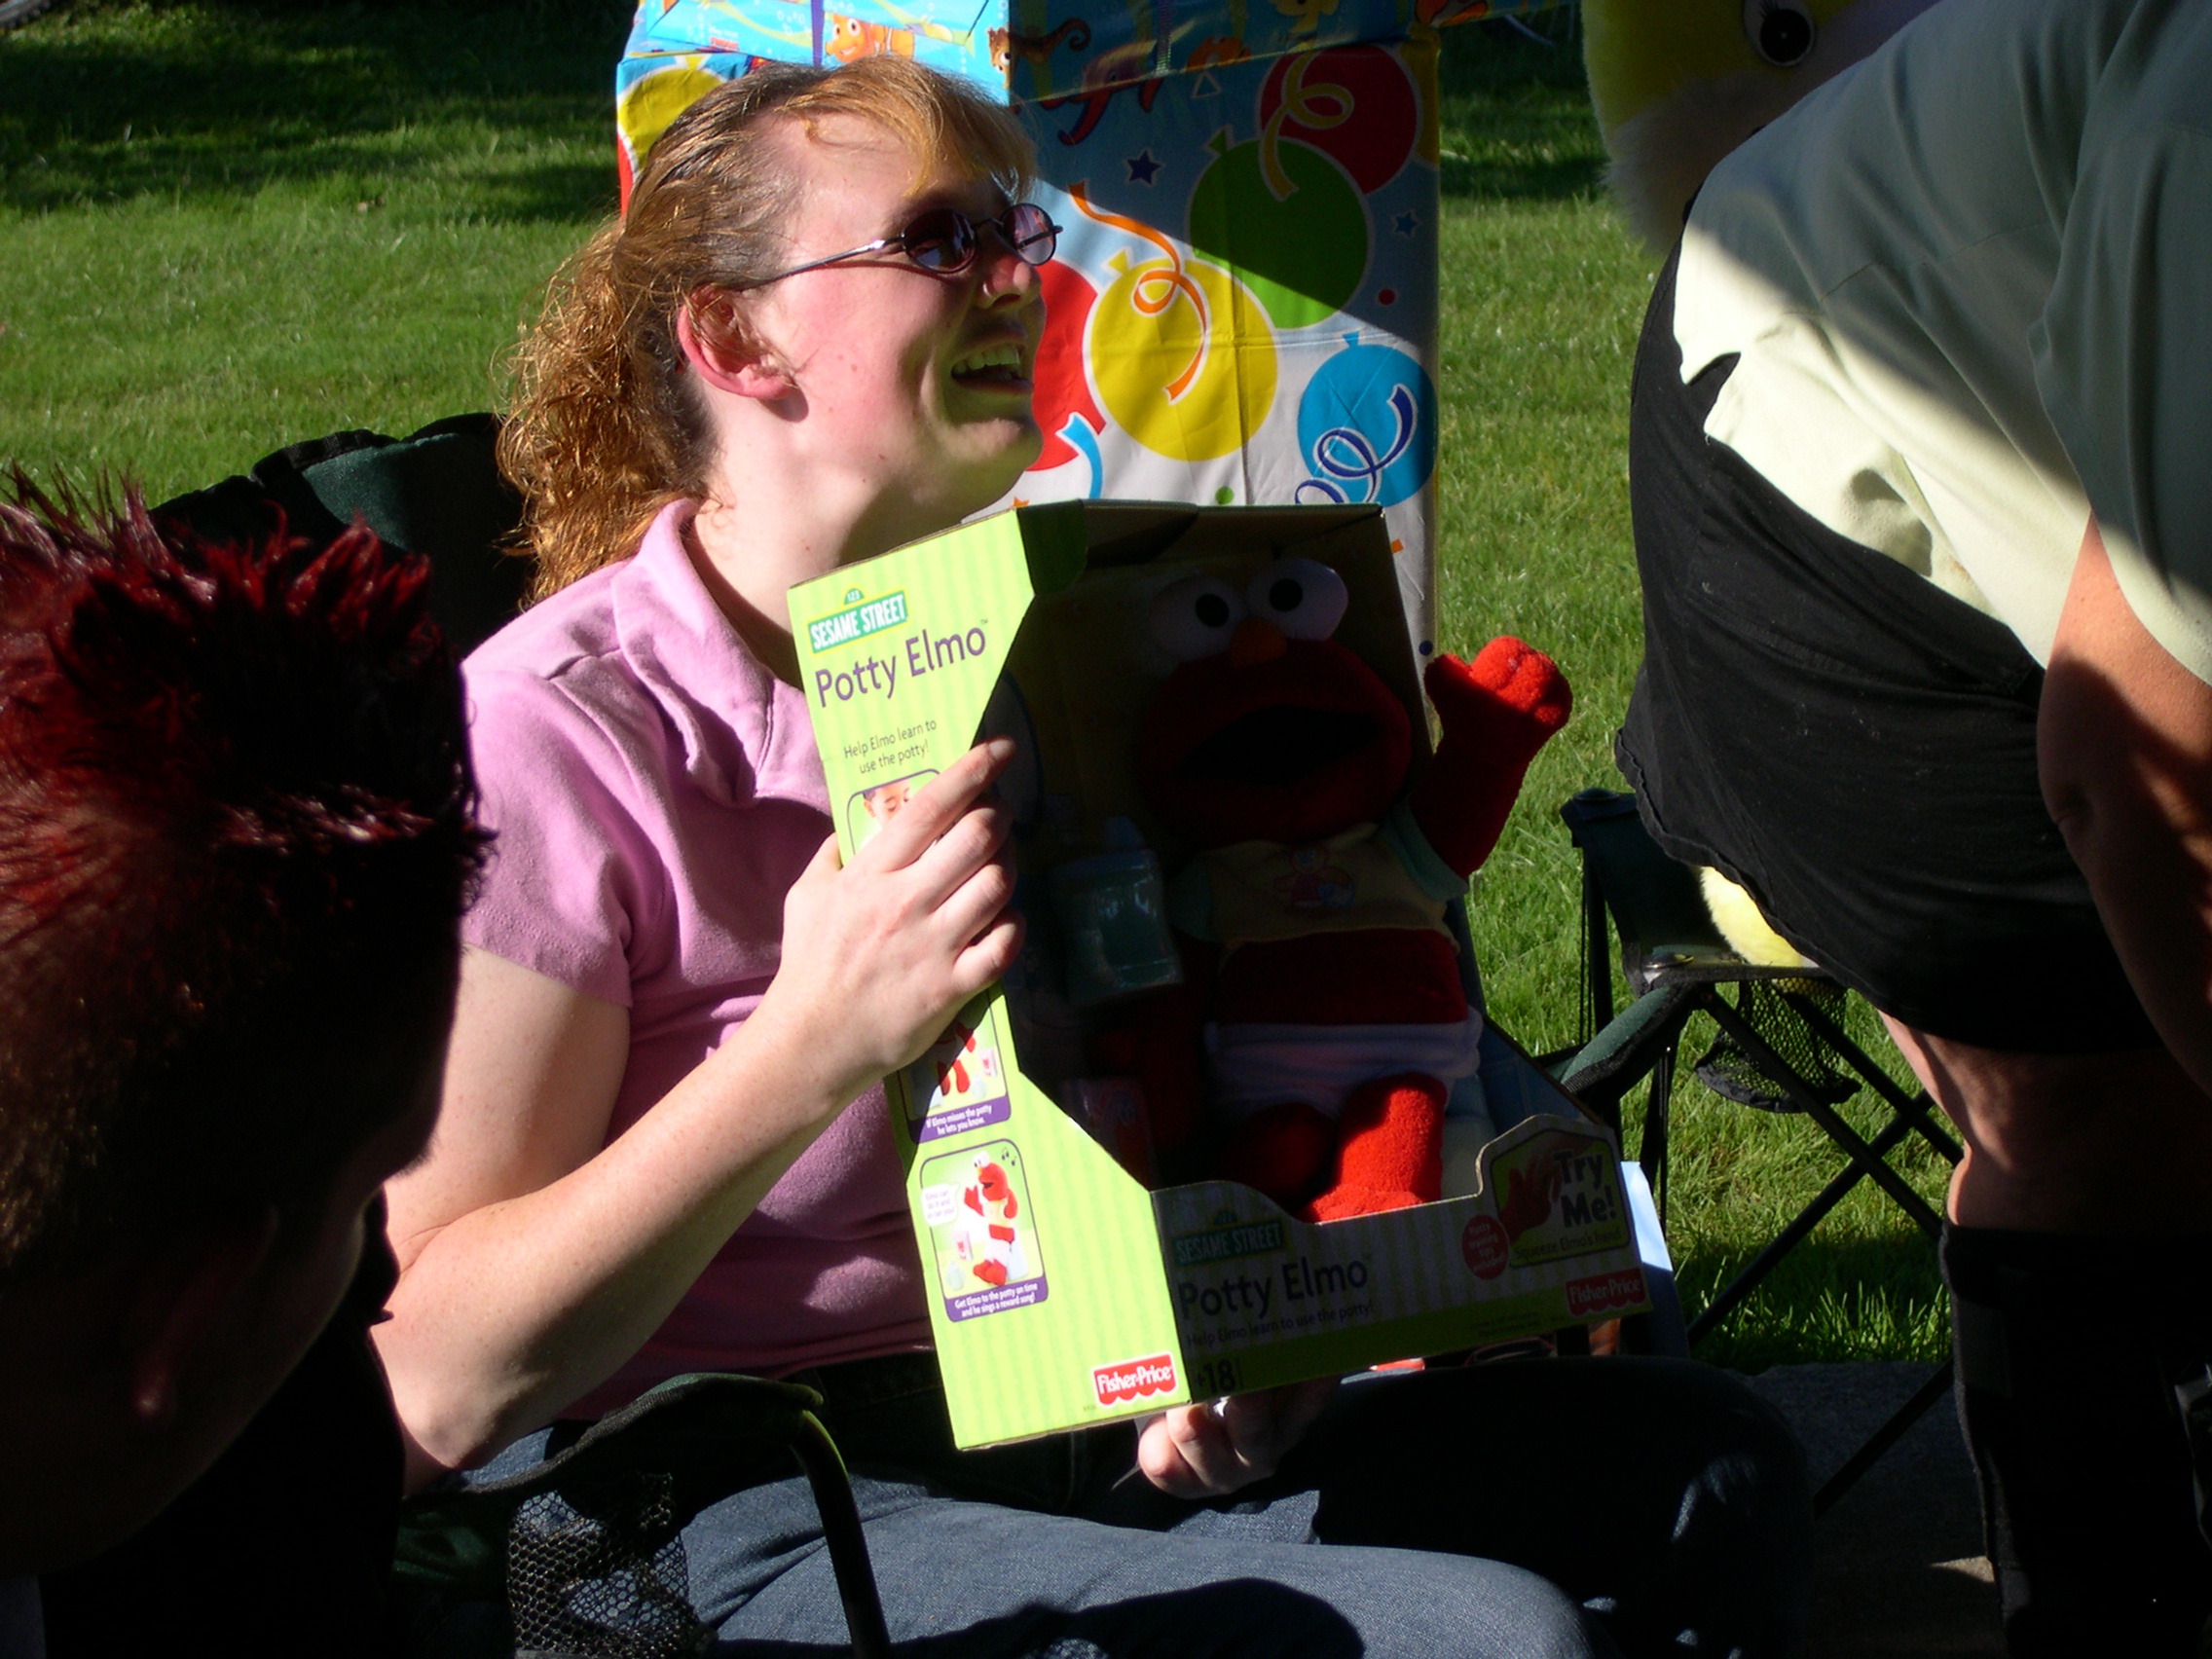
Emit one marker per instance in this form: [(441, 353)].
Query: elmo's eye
[(1301, 597), (1196, 617), (1781, 31)]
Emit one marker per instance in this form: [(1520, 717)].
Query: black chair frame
[(1682, 974)]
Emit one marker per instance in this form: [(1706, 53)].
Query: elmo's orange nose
[(1256, 640)]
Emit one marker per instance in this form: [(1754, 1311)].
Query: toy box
[(1063, 1291)]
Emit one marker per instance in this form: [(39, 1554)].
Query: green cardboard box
[(1062, 1291)]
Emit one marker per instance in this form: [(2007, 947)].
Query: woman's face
[(915, 382)]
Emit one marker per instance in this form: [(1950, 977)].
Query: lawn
[(225, 226)]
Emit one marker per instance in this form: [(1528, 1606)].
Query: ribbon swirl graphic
[(1158, 285), (1315, 108), (1344, 453)]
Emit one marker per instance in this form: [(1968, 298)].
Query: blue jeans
[(1511, 1511)]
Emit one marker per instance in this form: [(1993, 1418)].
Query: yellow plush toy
[(1678, 83)]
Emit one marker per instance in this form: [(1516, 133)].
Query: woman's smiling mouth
[(995, 367)]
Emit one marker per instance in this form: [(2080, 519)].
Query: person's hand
[(1211, 1449), (880, 953)]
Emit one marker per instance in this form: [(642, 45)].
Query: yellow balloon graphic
[(651, 101), (1183, 358)]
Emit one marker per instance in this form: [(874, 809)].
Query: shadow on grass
[(200, 100), (1856, 1298), (1515, 112)]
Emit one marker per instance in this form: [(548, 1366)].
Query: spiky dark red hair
[(236, 840)]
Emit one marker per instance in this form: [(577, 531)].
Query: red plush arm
[(1496, 711)]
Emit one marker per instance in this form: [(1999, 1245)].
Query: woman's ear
[(187, 1300), (725, 354)]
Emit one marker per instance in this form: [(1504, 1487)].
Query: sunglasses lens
[(1031, 231), (940, 240)]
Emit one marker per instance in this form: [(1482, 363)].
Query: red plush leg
[(1282, 1151), (1497, 712), (1389, 1149), (991, 1273)]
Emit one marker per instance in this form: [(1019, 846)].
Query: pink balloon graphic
[(1354, 103)]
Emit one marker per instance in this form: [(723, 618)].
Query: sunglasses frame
[(902, 241)]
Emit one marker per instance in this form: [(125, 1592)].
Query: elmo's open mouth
[(1276, 745)]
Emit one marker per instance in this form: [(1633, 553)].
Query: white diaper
[(1253, 1066)]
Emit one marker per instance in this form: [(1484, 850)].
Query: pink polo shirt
[(655, 792)]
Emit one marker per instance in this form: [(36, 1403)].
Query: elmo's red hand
[(1498, 712), (1528, 1199)]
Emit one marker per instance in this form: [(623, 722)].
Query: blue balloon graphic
[(1366, 427)]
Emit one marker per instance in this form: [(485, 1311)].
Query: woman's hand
[(1209, 1451), (880, 954)]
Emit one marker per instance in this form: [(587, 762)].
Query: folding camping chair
[(1782, 1047), (436, 492), (585, 1548)]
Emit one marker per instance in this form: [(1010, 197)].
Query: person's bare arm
[(534, 1261), (2125, 748)]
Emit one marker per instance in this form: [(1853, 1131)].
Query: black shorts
[(1852, 744)]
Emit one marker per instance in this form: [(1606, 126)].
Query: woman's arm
[(2125, 749), (534, 1261)]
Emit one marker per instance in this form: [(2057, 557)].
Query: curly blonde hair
[(604, 426)]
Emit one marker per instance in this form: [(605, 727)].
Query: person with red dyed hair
[(236, 840)]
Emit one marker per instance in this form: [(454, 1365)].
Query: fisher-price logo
[(1607, 1291), (1132, 1379)]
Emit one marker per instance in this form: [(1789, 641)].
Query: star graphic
[(1405, 224), (1143, 168)]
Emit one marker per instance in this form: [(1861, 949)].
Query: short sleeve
[(2123, 362), (572, 888)]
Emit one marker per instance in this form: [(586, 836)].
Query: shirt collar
[(743, 733)]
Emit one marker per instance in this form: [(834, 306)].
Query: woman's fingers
[(1185, 1452), (1206, 1451), (972, 843), (971, 896), (987, 957), (943, 800)]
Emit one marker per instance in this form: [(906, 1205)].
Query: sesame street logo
[(1133, 1379), (857, 621)]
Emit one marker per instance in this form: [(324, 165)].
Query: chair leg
[(1881, 1440), (1915, 1108), (1854, 1145), (1810, 1216), (1651, 1151), (1597, 952), (841, 1530)]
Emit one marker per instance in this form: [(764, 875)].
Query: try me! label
[(1127, 1379)]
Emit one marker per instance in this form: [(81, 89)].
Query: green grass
[(226, 226)]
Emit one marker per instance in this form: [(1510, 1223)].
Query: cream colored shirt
[(1970, 283)]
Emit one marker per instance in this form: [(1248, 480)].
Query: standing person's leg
[(2076, 1256), (1857, 748)]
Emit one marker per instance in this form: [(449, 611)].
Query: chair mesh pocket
[(602, 1573), (1733, 1075)]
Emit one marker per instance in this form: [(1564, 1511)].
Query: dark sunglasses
[(945, 241)]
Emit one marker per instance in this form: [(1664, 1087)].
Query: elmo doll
[(1322, 1020)]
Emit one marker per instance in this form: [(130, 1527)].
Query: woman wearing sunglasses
[(663, 1145)]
